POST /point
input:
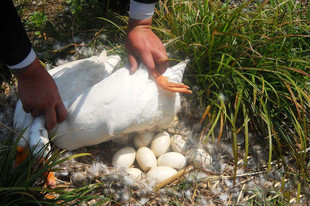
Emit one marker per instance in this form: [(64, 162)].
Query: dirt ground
[(214, 185), (225, 182)]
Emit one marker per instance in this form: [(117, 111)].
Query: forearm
[(29, 71), (36, 88), (141, 43), (15, 47), (140, 14), (133, 23)]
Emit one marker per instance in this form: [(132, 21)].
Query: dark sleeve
[(146, 1), (14, 42)]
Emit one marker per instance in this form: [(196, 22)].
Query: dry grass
[(227, 181), (200, 186)]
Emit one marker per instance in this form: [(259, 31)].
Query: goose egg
[(160, 143), (160, 173), (124, 157), (178, 143), (143, 139), (172, 159), (199, 157), (146, 158), (135, 173)]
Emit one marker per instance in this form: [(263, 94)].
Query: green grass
[(25, 183), (257, 55), (249, 68), (250, 64)]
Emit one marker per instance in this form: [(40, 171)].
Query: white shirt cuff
[(141, 11), (27, 61)]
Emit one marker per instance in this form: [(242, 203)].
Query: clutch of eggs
[(159, 156)]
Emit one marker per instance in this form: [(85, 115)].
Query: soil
[(224, 182), (227, 181)]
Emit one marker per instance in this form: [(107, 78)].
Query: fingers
[(155, 60), (163, 66), (148, 61), (50, 118), (61, 112), (39, 94), (36, 112), (146, 46), (27, 108), (133, 62), (54, 115), (161, 59)]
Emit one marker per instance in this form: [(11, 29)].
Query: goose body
[(102, 105)]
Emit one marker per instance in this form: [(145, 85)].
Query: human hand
[(141, 43), (39, 94)]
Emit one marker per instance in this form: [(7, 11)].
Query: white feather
[(102, 106)]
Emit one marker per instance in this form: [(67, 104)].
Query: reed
[(250, 64)]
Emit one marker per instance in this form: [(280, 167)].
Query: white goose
[(102, 106)]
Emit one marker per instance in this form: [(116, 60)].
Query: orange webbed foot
[(164, 83), (50, 177), (22, 154), (50, 180)]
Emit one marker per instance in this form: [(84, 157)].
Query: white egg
[(143, 139), (146, 159), (172, 159), (178, 143), (160, 143), (199, 157), (124, 157), (160, 173), (135, 173)]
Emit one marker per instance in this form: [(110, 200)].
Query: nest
[(224, 182)]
